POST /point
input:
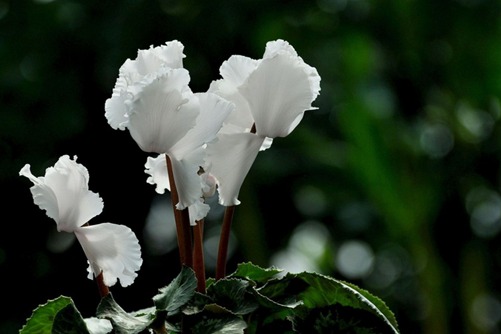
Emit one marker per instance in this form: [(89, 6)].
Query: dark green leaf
[(197, 303), (255, 273), (381, 306), (233, 294), (340, 319), (209, 322), (177, 294), (326, 291), (56, 316), (127, 323), (318, 292)]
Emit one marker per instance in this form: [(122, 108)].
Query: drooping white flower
[(64, 194), (271, 95), (198, 210), (153, 101)]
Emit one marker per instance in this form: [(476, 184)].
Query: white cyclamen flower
[(153, 101), (271, 95), (65, 196)]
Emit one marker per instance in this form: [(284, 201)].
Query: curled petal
[(241, 117), (64, 194), (198, 211), (132, 72), (116, 111), (161, 112), (111, 249), (237, 69), (187, 180), (213, 110), (168, 55), (157, 169), (229, 159), (279, 91), (279, 46)]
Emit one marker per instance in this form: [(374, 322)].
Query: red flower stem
[(198, 256), (182, 219), (224, 241), (103, 289)]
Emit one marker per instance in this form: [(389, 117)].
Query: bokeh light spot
[(355, 259), (160, 228), (485, 312)]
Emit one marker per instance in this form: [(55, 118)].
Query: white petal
[(266, 144), (241, 116), (134, 74), (111, 249), (63, 193), (157, 169), (43, 196), (169, 55), (237, 69), (187, 180), (98, 326), (278, 91), (229, 160), (198, 211), (161, 112), (116, 111), (278, 46), (212, 113), (209, 185)]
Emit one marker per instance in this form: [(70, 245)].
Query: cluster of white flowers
[(210, 139), (221, 130)]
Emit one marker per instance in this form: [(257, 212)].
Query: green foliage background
[(402, 155)]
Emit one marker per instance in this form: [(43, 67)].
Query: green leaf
[(233, 294), (381, 306), (319, 292), (339, 319), (197, 303), (56, 316), (178, 293), (127, 323), (255, 273), (216, 323)]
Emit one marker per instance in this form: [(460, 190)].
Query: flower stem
[(103, 289), (198, 256), (182, 221), (224, 241)]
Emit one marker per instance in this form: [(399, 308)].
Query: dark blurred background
[(393, 183)]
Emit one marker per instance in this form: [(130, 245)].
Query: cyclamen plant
[(202, 143)]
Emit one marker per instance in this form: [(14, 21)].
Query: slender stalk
[(182, 218), (224, 241), (198, 256), (103, 289)]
